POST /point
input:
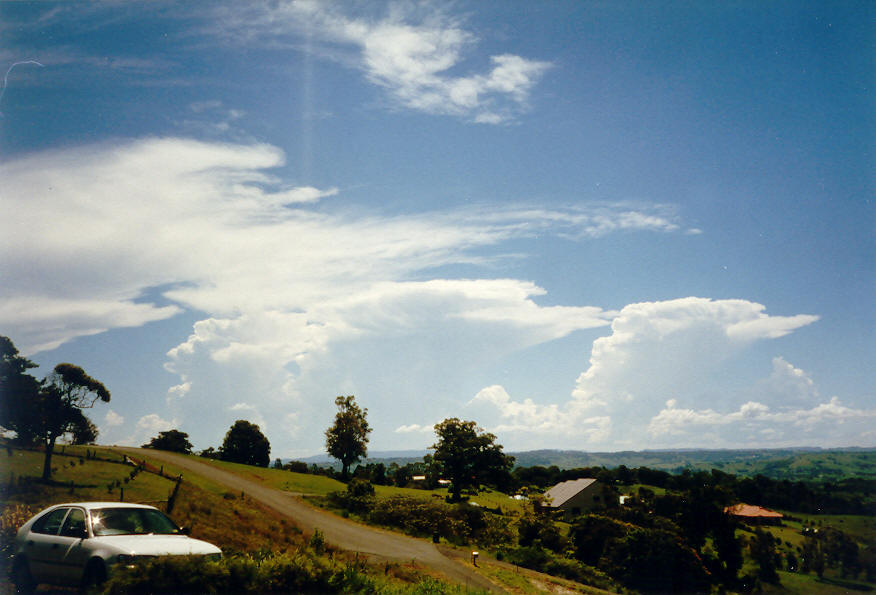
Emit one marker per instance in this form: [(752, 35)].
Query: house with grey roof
[(576, 496)]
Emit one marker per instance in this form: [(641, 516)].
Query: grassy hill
[(789, 463), (251, 536), (793, 464)]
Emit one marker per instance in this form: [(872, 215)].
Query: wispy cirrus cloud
[(414, 52)]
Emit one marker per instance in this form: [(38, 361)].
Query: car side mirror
[(78, 533)]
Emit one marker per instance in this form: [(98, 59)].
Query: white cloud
[(113, 419), (786, 387), (829, 423), (154, 423), (415, 428), (290, 294), (674, 348), (250, 413), (656, 348), (229, 239), (147, 427), (412, 53)]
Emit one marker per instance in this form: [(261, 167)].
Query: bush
[(12, 517), (412, 515), (302, 571), (538, 558), (358, 497)]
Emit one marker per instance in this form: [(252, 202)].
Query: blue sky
[(585, 225)]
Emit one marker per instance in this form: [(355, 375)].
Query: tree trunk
[(47, 461)]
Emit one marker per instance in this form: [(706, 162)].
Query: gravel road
[(338, 531)]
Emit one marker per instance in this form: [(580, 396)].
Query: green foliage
[(536, 528), (469, 456), (12, 517), (358, 497), (347, 439), (245, 443), (18, 390), (301, 571), (652, 560), (45, 411), (460, 523), (762, 548), (82, 430), (591, 533), (172, 440), (537, 558)]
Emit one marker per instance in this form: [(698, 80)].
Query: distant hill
[(791, 463), (804, 463)]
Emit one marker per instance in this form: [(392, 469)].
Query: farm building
[(756, 515), (576, 496)]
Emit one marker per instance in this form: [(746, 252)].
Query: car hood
[(155, 545)]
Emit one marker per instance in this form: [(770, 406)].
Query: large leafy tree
[(19, 392), (42, 412), (469, 456), (245, 443), (347, 439), (65, 393), (172, 440)]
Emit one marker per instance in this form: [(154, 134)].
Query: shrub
[(414, 516), (301, 571), (12, 517), (358, 497)]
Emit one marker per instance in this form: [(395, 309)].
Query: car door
[(73, 551), (43, 548)]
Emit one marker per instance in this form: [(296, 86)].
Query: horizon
[(584, 226)]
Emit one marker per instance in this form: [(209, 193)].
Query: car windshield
[(131, 521)]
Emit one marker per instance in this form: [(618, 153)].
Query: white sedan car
[(79, 544)]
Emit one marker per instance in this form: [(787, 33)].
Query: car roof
[(95, 505)]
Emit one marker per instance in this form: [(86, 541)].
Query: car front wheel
[(22, 578), (95, 576)]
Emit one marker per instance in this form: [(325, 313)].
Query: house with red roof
[(754, 515)]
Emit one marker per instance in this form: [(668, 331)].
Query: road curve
[(338, 531)]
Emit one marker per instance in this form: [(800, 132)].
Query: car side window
[(74, 526), (50, 523)]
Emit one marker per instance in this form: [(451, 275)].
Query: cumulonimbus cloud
[(681, 349)]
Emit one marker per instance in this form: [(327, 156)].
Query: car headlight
[(125, 560)]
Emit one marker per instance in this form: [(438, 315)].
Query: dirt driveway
[(338, 531)]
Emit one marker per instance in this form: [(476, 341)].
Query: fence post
[(121, 494), (172, 500)]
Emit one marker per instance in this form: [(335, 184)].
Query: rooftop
[(750, 510), (563, 491)]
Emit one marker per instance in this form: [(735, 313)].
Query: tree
[(763, 551), (469, 456), (58, 407), (19, 392), (83, 431), (245, 443), (172, 440), (347, 439)]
